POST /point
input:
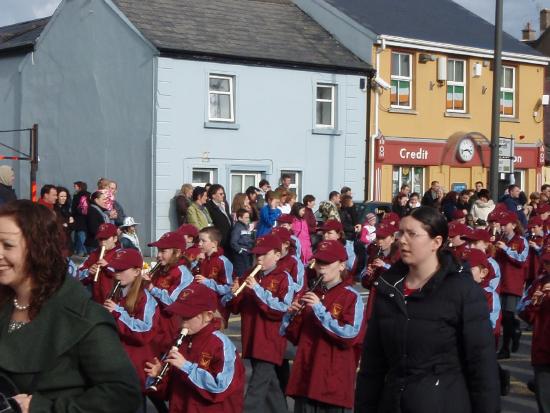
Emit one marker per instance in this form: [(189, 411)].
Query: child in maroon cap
[(327, 325), (214, 270), (512, 254), (107, 237), (332, 231), (534, 308), (535, 239), (262, 305), (289, 262), (285, 221), (135, 310), (206, 373)]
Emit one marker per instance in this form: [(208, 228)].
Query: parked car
[(375, 207)]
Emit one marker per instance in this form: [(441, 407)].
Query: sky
[(516, 12)]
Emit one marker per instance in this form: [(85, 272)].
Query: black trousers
[(542, 387), (264, 392)]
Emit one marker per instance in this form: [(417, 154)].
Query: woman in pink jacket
[(301, 230)]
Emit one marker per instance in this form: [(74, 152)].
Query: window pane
[(324, 92), (404, 91), (459, 71), (418, 180), (393, 92), (236, 185), (395, 64), (249, 180), (220, 106), (509, 78), (459, 97), (201, 177), (405, 59), (324, 115), (450, 93), (219, 85), (450, 70)]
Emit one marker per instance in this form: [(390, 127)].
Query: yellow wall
[(429, 102), (427, 118)]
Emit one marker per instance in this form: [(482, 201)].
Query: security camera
[(379, 82)]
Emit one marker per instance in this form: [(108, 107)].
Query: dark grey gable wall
[(90, 89)]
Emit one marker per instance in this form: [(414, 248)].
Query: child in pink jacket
[(301, 230)]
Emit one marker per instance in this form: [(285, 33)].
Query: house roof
[(441, 21), (272, 31), (21, 36)]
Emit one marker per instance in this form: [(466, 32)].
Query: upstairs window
[(456, 85), (325, 103), (401, 80), (221, 98), (508, 91)]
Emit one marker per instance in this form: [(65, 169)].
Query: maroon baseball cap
[(125, 258), (169, 240), (188, 229), (284, 234), (332, 225), (391, 217), (105, 231), (476, 257), (330, 251), (267, 243), (535, 222), (459, 214), (543, 208), (285, 219), (478, 235), (508, 217), (385, 229), (457, 228), (193, 300)]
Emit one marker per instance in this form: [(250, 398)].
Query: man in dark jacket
[(79, 208), (513, 203), (430, 197), (7, 177), (219, 212)]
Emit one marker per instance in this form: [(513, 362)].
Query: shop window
[(508, 91), (401, 80), (408, 175), (456, 85), (201, 177)]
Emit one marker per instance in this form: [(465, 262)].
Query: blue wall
[(275, 111)]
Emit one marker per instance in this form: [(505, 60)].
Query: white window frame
[(231, 94), (505, 90), (404, 78), (332, 101), (211, 172), (455, 83), (257, 178), (295, 187)]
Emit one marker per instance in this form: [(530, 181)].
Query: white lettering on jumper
[(419, 154)]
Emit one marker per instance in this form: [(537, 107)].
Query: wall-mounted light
[(477, 70), (441, 69)]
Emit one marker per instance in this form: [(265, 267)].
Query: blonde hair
[(134, 293), (103, 183)]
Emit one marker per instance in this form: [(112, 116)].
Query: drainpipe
[(370, 151), (376, 125)]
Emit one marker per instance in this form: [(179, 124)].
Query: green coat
[(69, 357), (197, 216)]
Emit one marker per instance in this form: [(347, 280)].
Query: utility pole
[(495, 120)]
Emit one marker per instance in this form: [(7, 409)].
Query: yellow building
[(433, 113), (431, 100)]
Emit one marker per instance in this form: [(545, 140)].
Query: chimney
[(544, 20), (528, 34)]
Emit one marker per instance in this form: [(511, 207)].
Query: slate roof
[(273, 31), (441, 21), (21, 36)]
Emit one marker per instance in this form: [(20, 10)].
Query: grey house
[(157, 93)]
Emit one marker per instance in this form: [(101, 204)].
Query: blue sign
[(458, 187)]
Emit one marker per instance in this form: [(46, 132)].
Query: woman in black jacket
[(79, 209), (429, 346), (97, 215)]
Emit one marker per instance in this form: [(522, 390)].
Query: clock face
[(466, 150)]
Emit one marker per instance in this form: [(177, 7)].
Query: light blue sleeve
[(298, 246), (347, 330), (82, 274), (222, 289), (274, 303), (515, 255), (204, 380), (162, 294), (299, 284), (285, 323), (135, 324), (524, 302), (351, 255)]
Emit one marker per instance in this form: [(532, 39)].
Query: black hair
[(484, 193), (213, 189), (198, 192), (46, 189), (434, 223), (544, 187), (308, 198), (345, 190), (333, 194), (83, 186), (416, 194), (296, 209), (241, 212), (251, 190), (263, 182)]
